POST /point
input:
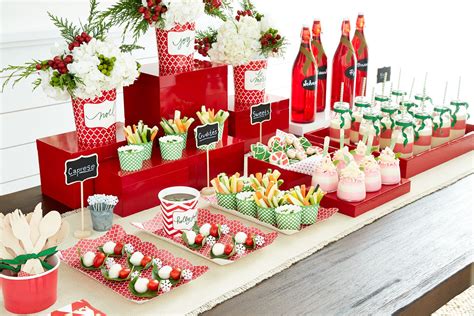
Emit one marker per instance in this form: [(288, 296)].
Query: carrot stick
[(258, 175), (269, 188), (240, 186), (303, 190)]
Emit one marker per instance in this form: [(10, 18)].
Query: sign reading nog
[(255, 79), (181, 43), (99, 115)]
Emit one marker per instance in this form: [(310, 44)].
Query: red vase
[(176, 49), (95, 119), (304, 82), (249, 84), (343, 68), (362, 55), (322, 63)]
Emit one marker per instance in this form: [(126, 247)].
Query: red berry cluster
[(153, 11), (270, 39), (202, 45), (79, 39), (243, 13), (213, 3), (58, 63)]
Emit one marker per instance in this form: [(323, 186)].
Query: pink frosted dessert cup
[(390, 172), (327, 180), (373, 180), (351, 190)]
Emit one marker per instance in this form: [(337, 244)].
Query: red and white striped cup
[(178, 215)]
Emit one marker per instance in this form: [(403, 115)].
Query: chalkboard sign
[(260, 113), (81, 168), (207, 134), (381, 74)]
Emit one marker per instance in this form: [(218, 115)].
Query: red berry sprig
[(216, 4), (243, 13), (58, 63), (153, 10), (271, 40), (79, 39), (202, 45)]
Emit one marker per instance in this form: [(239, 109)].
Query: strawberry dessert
[(325, 175), (351, 186), (389, 167), (373, 176)]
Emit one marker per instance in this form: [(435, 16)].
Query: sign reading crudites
[(381, 74), (260, 113), (81, 168), (207, 134)]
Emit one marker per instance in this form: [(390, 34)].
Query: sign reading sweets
[(181, 43), (260, 113), (207, 135), (99, 115), (81, 168), (381, 74)]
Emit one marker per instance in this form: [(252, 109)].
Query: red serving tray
[(373, 199), (412, 166)]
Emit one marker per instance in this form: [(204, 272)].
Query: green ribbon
[(457, 105), (345, 41), (441, 111), (320, 49), (363, 43), (373, 118), (342, 111), (392, 121), (404, 126), (309, 58), (22, 259), (423, 118)]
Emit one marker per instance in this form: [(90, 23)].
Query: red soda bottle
[(362, 54), (343, 68), (322, 63), (303, 85)]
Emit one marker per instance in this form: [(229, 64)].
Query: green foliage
[(223, 13), (21, 72), (209, 33)]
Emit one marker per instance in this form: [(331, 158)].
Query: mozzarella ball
[(88, 258), (218, 249), (204, 230), (141, 286), (164, 272), (108, 247), (114, 270), (240, 237), (190, 236), (136, 258)]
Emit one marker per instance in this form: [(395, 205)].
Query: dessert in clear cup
[(342, 157), (381, 100), (389, 167), (403, 135), (441, 125), (370, 125), (340, 119), (373, 176), (459, 117), (351, 186), (423, 131), (359, 152), (422, 101), (360, 104), (387, 123), (325, 175)]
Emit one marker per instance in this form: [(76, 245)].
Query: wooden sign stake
[(260, 113), (207, 141)]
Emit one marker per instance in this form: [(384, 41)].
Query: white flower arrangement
[(181, 12)]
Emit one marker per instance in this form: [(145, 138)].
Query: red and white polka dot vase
[(249, 81), (95, 119), (176, 48)]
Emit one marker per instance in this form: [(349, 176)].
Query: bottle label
[(350, 72), (309, 83), (255, 80), (362, 64), (181, 43), (99, 115), (322, 72)]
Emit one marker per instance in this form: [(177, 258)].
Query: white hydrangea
[(237, 42), (52, 92), (93, 81), (182, 12)]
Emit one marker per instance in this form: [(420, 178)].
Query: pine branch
[(125, 13), (209, 33), (19, 72), (127, 48), (68, 30)]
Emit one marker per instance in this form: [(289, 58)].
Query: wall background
[(418, 36)]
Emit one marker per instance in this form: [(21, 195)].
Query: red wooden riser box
[(240, 127), (373, 199), (53, 151), (153, 96), (412, 166), (138, 190)]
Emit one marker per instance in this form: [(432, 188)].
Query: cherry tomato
[(214, 231), (198, 239), (228, 249), (249, 241), (124, 273), (175, 274), (118, 248), (145, 261), (98, 260), (153, 285)]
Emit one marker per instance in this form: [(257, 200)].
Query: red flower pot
[(95, 119), (249, 81), (176, 48), (31, 294)]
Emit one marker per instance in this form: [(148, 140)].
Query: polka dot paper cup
[(228, 201), (184, 136), (246, 204), (130, 157), (171, 147), (266, 215), (309, 214), (288, 217)]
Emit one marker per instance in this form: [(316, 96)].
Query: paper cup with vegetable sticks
[(102, 211), (171, 147), (207, 116), (141, 135), (177, 126), (246, 204), (130, 157), (267, 199), (262, 181), (226, 189), (308, 200), (288, 217)]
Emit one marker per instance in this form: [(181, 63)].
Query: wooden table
[(411, 261)]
